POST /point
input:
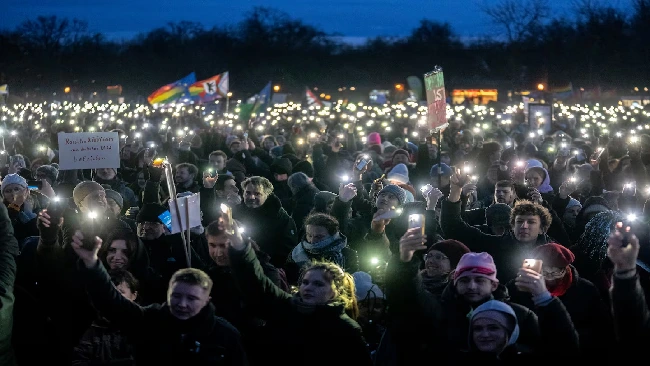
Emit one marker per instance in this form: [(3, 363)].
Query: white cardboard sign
[(186, 209), (89, 150)]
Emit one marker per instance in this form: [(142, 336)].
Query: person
[(185, 178), (323, 242), (440, 262), (265, 221), (103, 344), (21, 204), (109, 176), (8, 254), (184, 330), (321, 312), (581, 298), (303, 193)]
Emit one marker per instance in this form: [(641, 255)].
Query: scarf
[(434, 284), (561, 287), (327, 249)]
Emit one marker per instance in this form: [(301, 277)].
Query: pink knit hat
[(374, 138), (476, 264)]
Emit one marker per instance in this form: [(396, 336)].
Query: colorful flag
[(114, 89), (172, 92), (210, 89), (312, 99), (4, 89)]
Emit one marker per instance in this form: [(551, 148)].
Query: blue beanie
[(446, 170), (399, 173), (396, 191), (277, 151)]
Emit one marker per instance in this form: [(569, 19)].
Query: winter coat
[(158, 337), (270, 227), (294, 326), (302, 203), (8, 254)]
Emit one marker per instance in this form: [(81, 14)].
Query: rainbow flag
[(173, 91), (210, 89), (562, 93)]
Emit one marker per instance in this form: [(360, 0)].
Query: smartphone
[(226, 214), (467, 168), (166, 219), (417, 221), (534, 264), (34, 185), (245, 135), (363, 162), (90, 230), (55, 209)]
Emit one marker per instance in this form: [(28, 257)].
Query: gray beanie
[(396, 191), (115, 196), (296, 181), (50, 171)]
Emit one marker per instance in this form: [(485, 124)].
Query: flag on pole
[(262, 99), (172, 92), (210, 89), (312, 99), (4, 89)]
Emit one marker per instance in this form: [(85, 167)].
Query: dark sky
[(351, 18)]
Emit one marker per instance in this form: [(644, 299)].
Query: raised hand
[(88, 255), (410, 242), (347, 192)]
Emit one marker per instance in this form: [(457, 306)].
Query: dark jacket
[(270, 227), (158, 337), (8, 254), (587, 309), (103, 344), (302, 202), (294, 326)]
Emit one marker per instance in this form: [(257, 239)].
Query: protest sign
[(436, 101), (89, 150), (185, 212)]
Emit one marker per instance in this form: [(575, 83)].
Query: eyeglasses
[(554, 273), (435, 257)]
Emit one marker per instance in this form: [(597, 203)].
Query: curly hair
[(342, 284), (330, 223), (525, 208), (261, 182)]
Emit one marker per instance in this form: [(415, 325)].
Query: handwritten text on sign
[(89, 150), (436, 101)]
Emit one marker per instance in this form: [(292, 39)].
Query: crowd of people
[(342, 235)]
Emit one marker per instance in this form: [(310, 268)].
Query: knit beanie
[(446, 170), (281, 166), (390, 150), (410, 192), (297, 181), (288, 149), (399, 173), (498, 214), (150, 212), (83, 189), (572, 203), (51, 172), (401, 152), (476, 264), (13, 179), (304, 166), (364, 288), (322, 199), (276, 151), (501, 313), (115, 196), (453, 249), (374, 138), (554, 255), (398, 192)]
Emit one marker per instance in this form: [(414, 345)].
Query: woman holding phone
[(318, 314)]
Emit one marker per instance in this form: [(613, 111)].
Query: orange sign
[(474, 96)]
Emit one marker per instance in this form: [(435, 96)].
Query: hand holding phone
[(534, 264), (417, 221), (226, 215)]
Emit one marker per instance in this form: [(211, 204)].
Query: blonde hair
[(342, 284)]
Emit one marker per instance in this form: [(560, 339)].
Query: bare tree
[(50, 33), (518, 18)]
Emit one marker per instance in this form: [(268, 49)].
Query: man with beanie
[(306, 167), (440, 177), (48, 172), (580, 297), (115, 203), (302, 200), (281, 170), (490, 315), (109, 176), (165, 251), (473, 283)]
